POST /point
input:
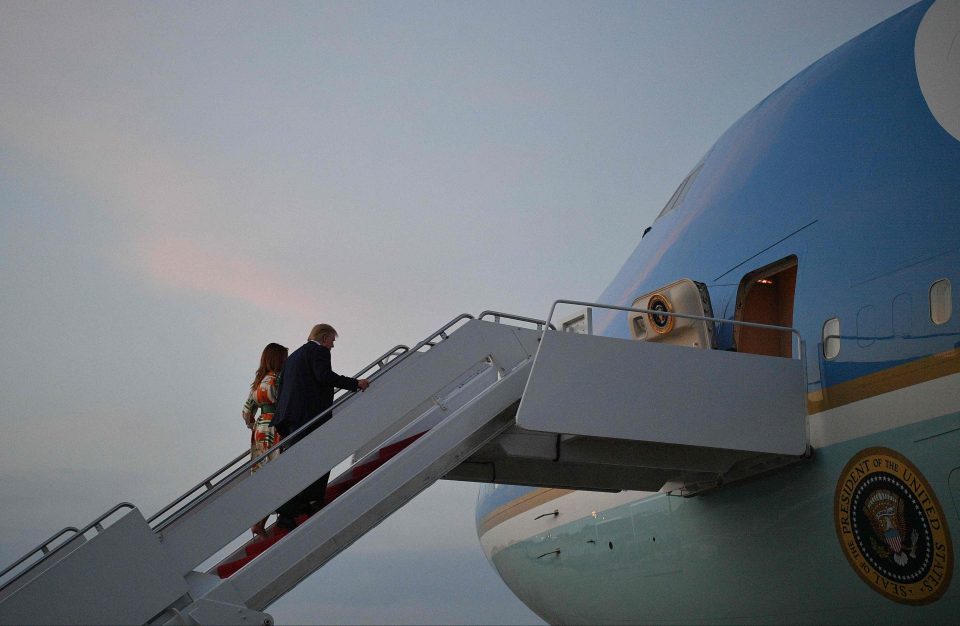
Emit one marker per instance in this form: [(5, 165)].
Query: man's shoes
[(286, 523)]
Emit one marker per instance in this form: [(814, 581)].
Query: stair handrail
[(384, 359), (208, 482), (243, 469), (384, 362), (43, 547), (800, 343), (47, 553), (496, 315)]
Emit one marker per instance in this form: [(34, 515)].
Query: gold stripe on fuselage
[(893, 378), (522, 504)]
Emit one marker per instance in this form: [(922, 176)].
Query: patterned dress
[(263, 435)]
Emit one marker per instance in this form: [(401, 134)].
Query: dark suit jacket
[(306, 387)]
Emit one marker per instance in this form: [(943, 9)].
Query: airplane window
[(941, 301), (831, 338)]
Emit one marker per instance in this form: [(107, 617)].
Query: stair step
[(258, 545)]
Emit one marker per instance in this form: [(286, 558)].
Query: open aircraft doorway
[(765, 296)]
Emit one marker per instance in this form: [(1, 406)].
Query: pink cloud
[(184, 264)]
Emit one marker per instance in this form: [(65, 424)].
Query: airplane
[(830, 207), (757, 422)]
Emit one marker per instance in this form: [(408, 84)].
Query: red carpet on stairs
[(335, 489)]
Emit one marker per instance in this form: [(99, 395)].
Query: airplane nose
[(937, 57)]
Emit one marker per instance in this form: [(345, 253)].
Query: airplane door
[(765, 296)]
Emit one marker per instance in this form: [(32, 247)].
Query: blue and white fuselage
[(849, 173)]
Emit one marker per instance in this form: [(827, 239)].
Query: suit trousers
[(300, 503)]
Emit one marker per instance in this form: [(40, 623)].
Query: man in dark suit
[(306, 390)]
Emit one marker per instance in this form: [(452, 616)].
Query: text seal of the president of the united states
[(892, 528)]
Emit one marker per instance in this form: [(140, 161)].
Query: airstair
[(479, 400)]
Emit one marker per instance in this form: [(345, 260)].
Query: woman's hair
[(272, 360), (321, 331)]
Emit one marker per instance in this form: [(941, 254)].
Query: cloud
[(161, 208), (182, 263)]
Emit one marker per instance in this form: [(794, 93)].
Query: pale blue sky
[(184, 182)]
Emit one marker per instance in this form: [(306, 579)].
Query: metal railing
[(43, 547), (48, 551), (497, 315), (801, 350), (229, 472), (228, 476)]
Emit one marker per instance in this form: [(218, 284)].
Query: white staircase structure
[(497, 403)]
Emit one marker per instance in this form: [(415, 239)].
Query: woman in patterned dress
[(263, 397)]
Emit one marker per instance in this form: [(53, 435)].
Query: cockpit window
[(681, 191)]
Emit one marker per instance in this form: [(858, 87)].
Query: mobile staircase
[(480, 400)]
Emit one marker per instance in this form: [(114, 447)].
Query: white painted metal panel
[(641, 391), (121, 576), (30, 572)]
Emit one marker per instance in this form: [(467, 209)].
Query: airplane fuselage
[(849, 177)]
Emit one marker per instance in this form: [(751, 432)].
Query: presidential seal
[(891, 527), (661, 324)]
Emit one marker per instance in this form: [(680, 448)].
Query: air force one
[(758, 422), (832, 207)]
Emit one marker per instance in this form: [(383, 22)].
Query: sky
[(182, 183)]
